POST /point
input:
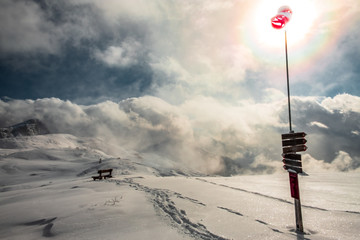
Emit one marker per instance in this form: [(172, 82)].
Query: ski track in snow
[(161, 200), (274, 198), (48, 226), (257, 220), (243, 190)]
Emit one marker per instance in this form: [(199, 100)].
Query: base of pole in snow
[(299, 222)]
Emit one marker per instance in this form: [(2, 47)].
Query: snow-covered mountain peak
[(30, 127)]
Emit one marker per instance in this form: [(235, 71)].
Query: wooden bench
[(100, 172)]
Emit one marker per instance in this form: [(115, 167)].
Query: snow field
[(46, 191)]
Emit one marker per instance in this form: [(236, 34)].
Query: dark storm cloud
[(88, 51), (61, 49)]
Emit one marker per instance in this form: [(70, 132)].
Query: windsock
[(283, 16)]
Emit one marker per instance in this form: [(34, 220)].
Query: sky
[(201, 80)]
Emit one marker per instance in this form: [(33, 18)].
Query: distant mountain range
[(30, 127)]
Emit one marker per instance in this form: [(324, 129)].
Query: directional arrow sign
[(297, 148), (292, 163), (293, 135), (292, 156), (293, 168), (293, 142)]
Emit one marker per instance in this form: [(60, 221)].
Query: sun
[(297, 29)]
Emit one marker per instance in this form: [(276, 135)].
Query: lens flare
[(308, 37)]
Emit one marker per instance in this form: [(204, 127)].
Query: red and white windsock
[(283, 17)]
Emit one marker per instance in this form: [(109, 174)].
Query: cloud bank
[(208, 135)]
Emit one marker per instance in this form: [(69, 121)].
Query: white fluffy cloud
[(343, 103), (319, 124), (125, 55)]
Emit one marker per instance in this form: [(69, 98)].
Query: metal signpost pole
[(294, 184), (288, 85), (292, 142)]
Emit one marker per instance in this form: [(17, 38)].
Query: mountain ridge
[(29, 127)]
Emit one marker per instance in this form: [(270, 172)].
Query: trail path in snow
[(203, 209), (162, 202)]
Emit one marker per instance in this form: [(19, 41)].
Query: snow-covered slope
[(47, 191)]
